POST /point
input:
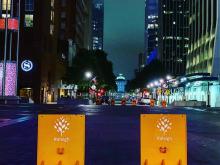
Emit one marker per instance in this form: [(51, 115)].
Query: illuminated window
[(29, 19), (52, 16), (29, 5), (4, 2), (52, 3), (51, 29), (4, 15)]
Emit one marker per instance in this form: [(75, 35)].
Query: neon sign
[(27, 65)]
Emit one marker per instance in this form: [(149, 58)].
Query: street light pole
[(11, 33), (208, 95), (18, 44), (5, 50)]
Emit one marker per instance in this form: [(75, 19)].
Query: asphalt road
[(112, 133)]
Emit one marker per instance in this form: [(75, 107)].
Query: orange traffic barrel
[(112, 102), (123, 102), (98, 101), (152, 102), (164, 104), (133, 102)]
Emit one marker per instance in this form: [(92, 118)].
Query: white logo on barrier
[(61, 125), (164, 124), (26, 65)]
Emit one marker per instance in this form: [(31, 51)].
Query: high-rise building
[(174, 35), (50, 33), (204, 50), (151, 27), (97, 24), (141, 61)]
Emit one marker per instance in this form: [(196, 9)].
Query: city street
[(112, 133)]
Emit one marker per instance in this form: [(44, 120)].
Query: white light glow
[(88, 74)]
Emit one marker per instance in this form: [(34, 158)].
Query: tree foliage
[(151, 72), (94, 61)]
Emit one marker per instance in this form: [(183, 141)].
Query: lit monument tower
[(9, 28), (120, 82)]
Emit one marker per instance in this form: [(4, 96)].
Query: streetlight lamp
[(161, 81), (156, 83), (88, 74), (169, 77)]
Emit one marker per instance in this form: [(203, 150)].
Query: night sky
[(124, 34)]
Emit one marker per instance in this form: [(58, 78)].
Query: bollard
[(77, 163), (146, 162), (180, 162), (163, 162)]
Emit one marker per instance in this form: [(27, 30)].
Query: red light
[(2, 24), (12, 24)]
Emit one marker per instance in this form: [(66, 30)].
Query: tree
[(149, 73), (94, 61)]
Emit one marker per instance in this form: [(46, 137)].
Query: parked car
[(105, 100), (145, 101)]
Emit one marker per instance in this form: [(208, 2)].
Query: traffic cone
[(77, 163), (163, 162), (59, 163), (42, 163)]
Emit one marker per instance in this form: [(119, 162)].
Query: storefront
[(197, 87)]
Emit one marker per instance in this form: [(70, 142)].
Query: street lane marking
[(195, 109), (14, 121)]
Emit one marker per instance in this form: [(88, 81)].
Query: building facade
[(141, 61), (173, 35), (151, 27), (51, 31), (97, 24), (204, 52)]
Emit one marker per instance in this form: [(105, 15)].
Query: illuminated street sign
[(163, 139), (27, 65), (61, 140)]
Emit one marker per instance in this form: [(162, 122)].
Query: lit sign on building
[(2, 24), (27, 65), (13, 24), (10, 79)]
